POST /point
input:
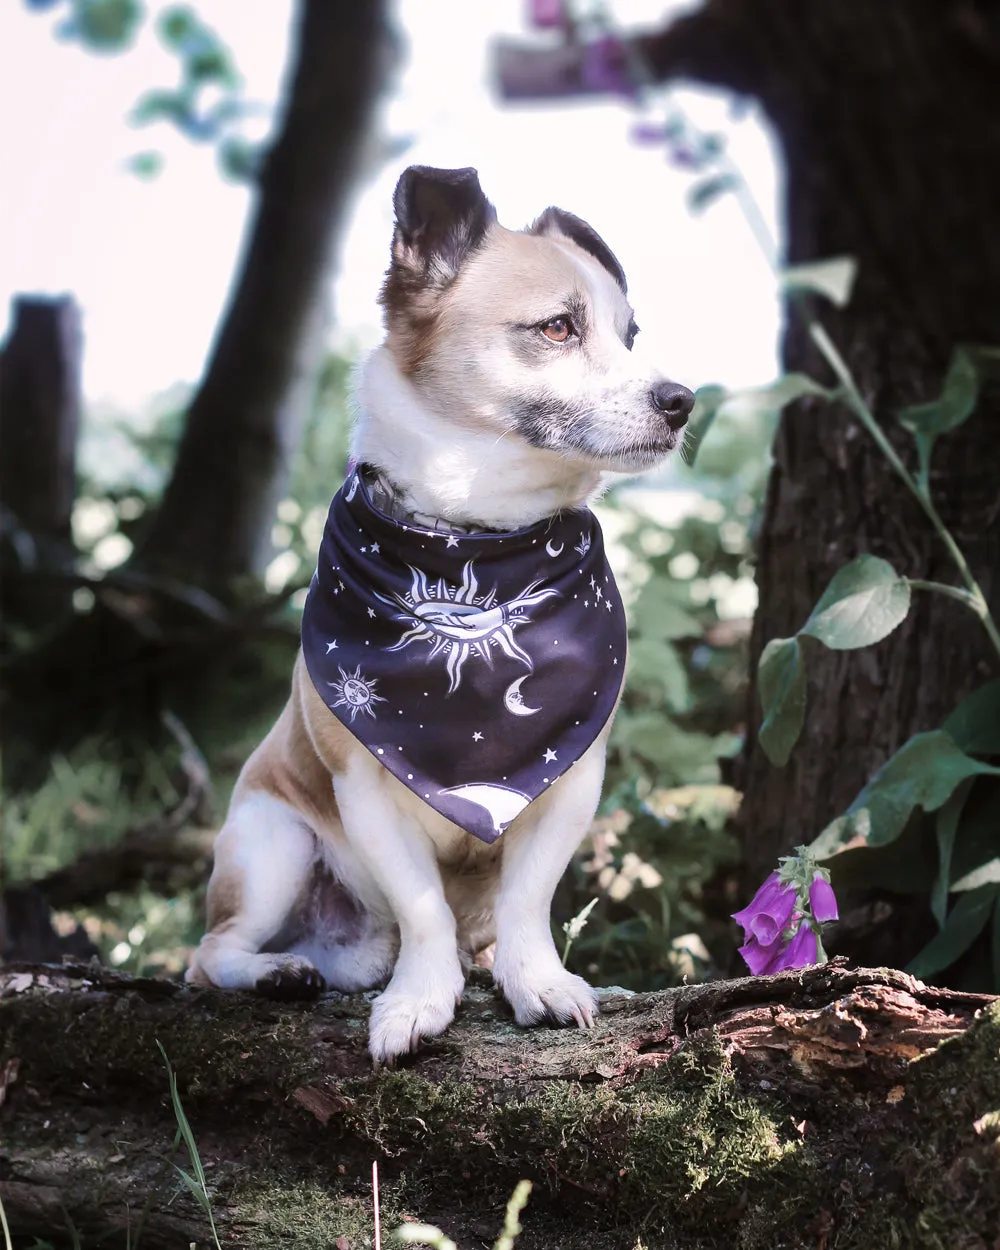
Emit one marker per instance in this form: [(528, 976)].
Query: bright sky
[(151, 262)]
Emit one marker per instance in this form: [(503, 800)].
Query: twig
[(375, 1205)]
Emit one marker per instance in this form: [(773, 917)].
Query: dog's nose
[(674, 401)]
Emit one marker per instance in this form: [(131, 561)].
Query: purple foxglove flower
[(683, 157), (769, 912), (649, 134), (760, 959), (822, 900), (801, 952), (605, 68), (544, 14)]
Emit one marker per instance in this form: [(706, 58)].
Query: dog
[(366, 841)]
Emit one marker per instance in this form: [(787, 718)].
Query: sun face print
[(459, 622), (355, 692)]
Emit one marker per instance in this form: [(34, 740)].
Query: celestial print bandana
[(477, 667)]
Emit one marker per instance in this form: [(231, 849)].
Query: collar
[(388, 498)]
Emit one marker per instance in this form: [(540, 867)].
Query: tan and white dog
[(504, 392)]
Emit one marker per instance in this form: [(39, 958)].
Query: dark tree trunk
[(39, 419), (771, 1113), (889, 118), (244, 422)]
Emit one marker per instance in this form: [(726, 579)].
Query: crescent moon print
[(501, 802), (552, 550), (513, 701), (353, 488), (459, 622)]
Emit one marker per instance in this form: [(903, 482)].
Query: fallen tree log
[(828, 1108)]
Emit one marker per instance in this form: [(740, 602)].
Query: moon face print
[(514, 702), (355, 693), (477, 670), (460, 623)]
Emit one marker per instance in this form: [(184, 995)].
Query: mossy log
[(828, 1108)]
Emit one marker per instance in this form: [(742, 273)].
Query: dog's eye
[(630, 334), (558, 330)]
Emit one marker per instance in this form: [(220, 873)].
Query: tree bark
[(39, 420), (243, 425), (888, 116), (820, 1108)]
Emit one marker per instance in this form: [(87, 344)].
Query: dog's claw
[(293, 980)]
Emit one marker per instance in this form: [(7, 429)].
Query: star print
[(340, 585), (550, 755), (599, 594), (615, 661), (592, 582), (586, 603), (477, 736), (374, 549), (364, 548), (331, 646), (607, 604), (452, 541), (371, 611)]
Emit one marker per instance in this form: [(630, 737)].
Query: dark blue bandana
[(476, 667)]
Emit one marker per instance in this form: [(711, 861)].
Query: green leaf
[(961, 388), (170, 106), (975, 723), (145, 165), (657, 614), (864, 602), (781, 680), (923, 773), (761, 400), (706, 192), (655, 663), (104, 25), (239, 161), (945, 829), (833, 278), (957, 402), (985, 874), (965, 922), (707, 402)]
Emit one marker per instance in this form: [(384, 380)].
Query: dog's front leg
[(427, 982), (537, 849)]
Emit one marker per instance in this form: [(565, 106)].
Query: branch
[(691, 1116)]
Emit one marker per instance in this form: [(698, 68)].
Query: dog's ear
[(558, 221), (441, 216)]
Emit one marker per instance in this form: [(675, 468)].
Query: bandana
[(476, 666)]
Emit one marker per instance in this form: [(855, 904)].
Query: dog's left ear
[(441, 216), (558, 221)]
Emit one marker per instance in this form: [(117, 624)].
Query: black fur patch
[(558, 221)]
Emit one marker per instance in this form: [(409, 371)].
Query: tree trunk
[(889, 119), (243, 425), (811, 1109), (39, 419)]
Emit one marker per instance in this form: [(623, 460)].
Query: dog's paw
[(402, 1015), (290, 979), (539, 990)]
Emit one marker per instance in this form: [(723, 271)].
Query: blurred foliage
[(662, 858), (208, 104)]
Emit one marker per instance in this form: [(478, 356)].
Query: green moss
[(695, 1154)]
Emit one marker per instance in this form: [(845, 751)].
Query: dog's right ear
[(441, 216)]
